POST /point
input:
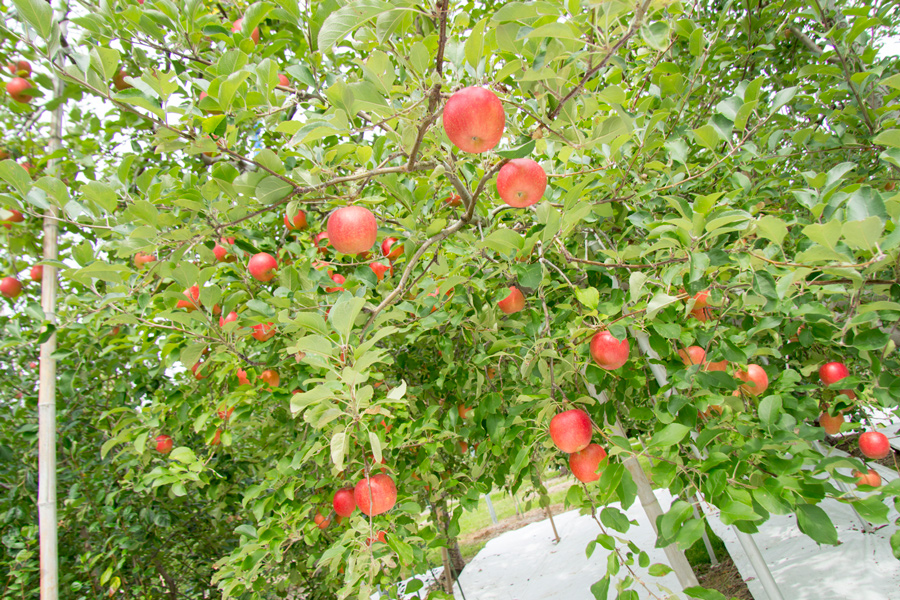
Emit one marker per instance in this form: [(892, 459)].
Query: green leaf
[(101, 194), (519, 151), (343, 314), (707, 136), (659, 301), (863, 235), (589, 297), (670, 435), (890, 137), (770, 410), (782, 98), (474, 47), (38, 14), (375, 443), (183, 454), (772, 228), (600, 589), (659, 569), (704, 594), (636, 282), (814, 522), (340, 23), (338, 442), (615, 519), (12, 173), (503, 240)]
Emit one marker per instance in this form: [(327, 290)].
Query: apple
[(831, 425), (21, 68), (10, 287), (391, 253), (339, 280), (14, 217), (283, 80), (242, 377), (521, 182), (33, 365), (37, 273), (163, 444), (694, 355), (196, 371), (833, 372), (217, 310), (709, 411), (584, 463), (755, 378), (344, 503), (381, 536), (222, 254), (375, 495), (262, 266), (321, 245), (193, 299), (474, 119), (874, 444), (722, 365), (263, 331), (352, 229), (464, 412), (380, 269), (453, 200), (271, 378), (571, 430), (16, 87), (217, 438), (225, 413), (141, 259), (514, 302), (230, 318), (463, 446), (238, 25), (607, 351), (387, 428), (299, 221), (119, 80), (320, 521), (700, 300), (871, 478), (702, 314)]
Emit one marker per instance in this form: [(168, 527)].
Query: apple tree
[(373, 241)]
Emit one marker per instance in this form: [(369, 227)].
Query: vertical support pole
[(490, 507)]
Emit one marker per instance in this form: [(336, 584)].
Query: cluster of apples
[(571, 431), (17, 86)]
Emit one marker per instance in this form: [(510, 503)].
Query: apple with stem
[(221, 252), (262, 267), (271, 378), (571, 430), (521, 182), (376, 494), (320, 521), (283, 80), (21, 68), (755, 379), (831, 373), (263, 331), (607, 351), (585, 462), (16, 87), (298, 222), (352, 229), (874, 444), (10, 287), (163, 444), (37, 273), (474, 119), (871, 478), (344, 503), (390, 249), (693, 355), (514, 302)]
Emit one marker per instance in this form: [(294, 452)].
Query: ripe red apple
[(230, 318), (14, 217), (709, 411), (262, 266), (391, 253), (833, 372), (571, 430), (237, 25), (225, 413), (322, 242), (217, 438), (756, 379), (21, 68), (871, 478), (10, 287), (352, 229), (221, 252), (474, 119), (521, 182), (381, 536), (320, 521), (874, 444), (694, 355), (119, 80), (607, 351), (299, 221), (271, 378), (380, 269), (584, 463), (344, 503), (702, 314), (717, 366), (263, 331), (242, 377), (700, 300), (339, 280), (141, 259), (163, 444), (453, 200), (37, 273), (383, 494), (464, 412), (831, 425), (283, 80), (514, 302), (196, 371), (16, 87), (193, 299)]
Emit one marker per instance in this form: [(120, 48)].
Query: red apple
[(163, 444), (464, 412), (871, 478), (196, 371), (262, 266), (380, 269), (584, 463), (271, 378), (344, 503), (514, 302), (10, 287), (756, 379), (225, 413), (375, 495), (607, 351), (700, 300), (453, 200), (238, 25), (283, 80), (352, 229), (717, 366), (230, 318), (21, 68), (299, 221), (694, 355), (381, 536), (702, 314), (474, 119), (37, 273), (339, 280), (14, 217), (831, 425), (874, 444), (320, 521), (521, 182), (242, 377), (217, 438), (391, 253), (119, 80), (221, 252), (571, 430), (16, 87), (833, 372), (193, 299), (141, 259), (322, 242), (263, 331)]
